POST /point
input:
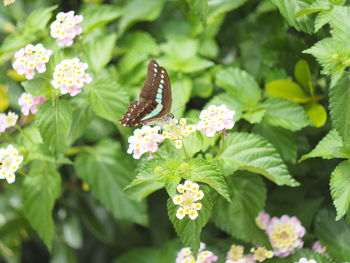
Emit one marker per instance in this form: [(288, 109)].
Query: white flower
[(29, 104), (215, 119), (70, 77), (65, 28), (9, 163), (204, 256), (7, 120), (177, 131), (304, 260), (31, 58), (187, 200)]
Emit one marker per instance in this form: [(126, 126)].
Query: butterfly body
[(154, 102)]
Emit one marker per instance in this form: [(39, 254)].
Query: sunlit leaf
[(287, 89), (317, 114)]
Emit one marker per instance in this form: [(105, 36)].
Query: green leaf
[(39, 18), (340, 188), (54, 119), (284, 113), (220, 8), (240, 84), (287, 89), (41, 188), (189, 230), (12, 43), (316, 113), (38, 86), (283, 140), (181, 89), (231, 102), (251, 152), (237, 218), (107, 170), (340, 28), (331, 146), (333, 55), (136, 10), (108, 99), (333, 235), (322, 18), (99, 51), (140, 42), (316, 6), (289, 9), (98, 15), (200, 8), (339, 97), (141, 255), (304, 253), (302, 74), (254, 115)]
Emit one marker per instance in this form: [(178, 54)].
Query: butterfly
[(154, 104)]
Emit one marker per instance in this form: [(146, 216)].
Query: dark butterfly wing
[(154, 101)]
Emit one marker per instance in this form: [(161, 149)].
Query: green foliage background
[(282, 65)]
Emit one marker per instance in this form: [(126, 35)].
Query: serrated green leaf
[(200, 8), (240, 84), (237, 218), (99, 51), (333, 55), (97, 16), (340, 188), (136, 10), (284, 113), (303, 76), (107, 170), (189, 230), (38, 19), (39, 86), (340, 28), (322, 18), (333, 235), (331, 146), (287, 89), (41, 188), (54, 119), (251, 152), (339, 97), (108, 99), (316, 6), (283, 140), (316, 113)]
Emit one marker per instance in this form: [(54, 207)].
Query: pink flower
[(215, 119), (144, 140), (285, 235), (31, 58), (262, 220), (29, 104), (204, 256), (70, 77), (318, 247), (65, 28)]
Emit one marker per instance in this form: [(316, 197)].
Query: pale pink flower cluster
[(318, 247), (65, 28), (188, 200), (70, 77), (29, 104), (215, 119), (284, 233), (236, 255), (31, 58), (144, 140), (204, 256), (9, 163), (305, 260), (177, 131), (7, 120), (262, 220)]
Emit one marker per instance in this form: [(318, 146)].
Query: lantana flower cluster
[(236, 255), (284, 233), (305, 260), (177, 131), (70, 77), (188, 199), (65, 28), (317, 246), (31, 58), (7, 120), (144, 140), (216, 119), (29, 104), (10, 159), (204, 256)]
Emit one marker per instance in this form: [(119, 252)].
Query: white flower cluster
[(7, 120), (70, 77), (187, 200), (31, 58), (29, 104), (9, 163), (204, 256), (144, 140), (177, 131), (216, 119), (65, 28)]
